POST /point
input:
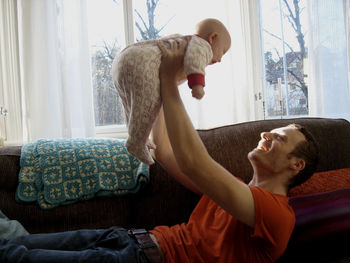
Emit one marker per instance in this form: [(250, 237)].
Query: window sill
[(112, 131), (11, 143)]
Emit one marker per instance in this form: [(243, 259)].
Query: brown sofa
[(164, 201)]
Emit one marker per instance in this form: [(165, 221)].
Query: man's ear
[(212, 37), (297, 164)]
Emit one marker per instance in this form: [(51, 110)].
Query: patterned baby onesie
[(135, 75)]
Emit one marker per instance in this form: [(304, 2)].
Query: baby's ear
[(212, 37)]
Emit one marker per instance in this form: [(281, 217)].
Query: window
[(303, 62), (304, 48), (107, 38), (284, 44), (113, 24), (289, 81)]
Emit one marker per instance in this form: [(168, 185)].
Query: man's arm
[(165, 156), (191, 155)]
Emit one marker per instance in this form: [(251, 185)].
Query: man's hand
[(171, 66)]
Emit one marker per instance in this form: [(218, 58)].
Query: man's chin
[(255, 155), (252, 154), (254, 151)]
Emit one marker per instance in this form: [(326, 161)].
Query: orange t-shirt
[(213, 235)]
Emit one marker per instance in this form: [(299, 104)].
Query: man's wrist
[(168, 83)]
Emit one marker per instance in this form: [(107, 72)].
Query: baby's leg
[(142, 116), (138, 86)]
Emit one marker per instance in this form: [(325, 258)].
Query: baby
[(135, 75)]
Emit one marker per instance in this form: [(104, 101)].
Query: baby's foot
[(151, 145), (141, 152)]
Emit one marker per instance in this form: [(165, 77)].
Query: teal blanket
[(63, 171)]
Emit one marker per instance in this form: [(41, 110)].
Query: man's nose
[(265, 135)]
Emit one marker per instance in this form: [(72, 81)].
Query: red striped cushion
[(322, 214)]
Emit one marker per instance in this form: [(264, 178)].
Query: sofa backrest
[(229, 145)]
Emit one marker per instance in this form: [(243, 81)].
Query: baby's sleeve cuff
[(195, 79)]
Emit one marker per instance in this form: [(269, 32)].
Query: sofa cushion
[(321, 215), (323, 182)]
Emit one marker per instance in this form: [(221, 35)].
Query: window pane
[(285, 52), (172, 17), (107, 38)]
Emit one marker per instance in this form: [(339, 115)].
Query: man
[(233, 222)]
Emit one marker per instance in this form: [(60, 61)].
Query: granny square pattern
[(62, 171)]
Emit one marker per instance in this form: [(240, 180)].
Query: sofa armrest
[(9, 166)]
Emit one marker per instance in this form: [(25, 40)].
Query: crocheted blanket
[(63, 171)]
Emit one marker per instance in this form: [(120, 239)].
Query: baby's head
[(213, 31)]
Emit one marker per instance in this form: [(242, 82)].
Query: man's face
[(273, 150)]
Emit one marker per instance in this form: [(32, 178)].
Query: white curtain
[(346, 4), (55, 69), (10, 95), (328, 59), (233, 85)]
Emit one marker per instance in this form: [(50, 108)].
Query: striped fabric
[(322, 214)]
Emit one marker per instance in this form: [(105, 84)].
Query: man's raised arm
[(191, 155), (165, 156)]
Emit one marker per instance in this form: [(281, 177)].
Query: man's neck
[(272, 184)]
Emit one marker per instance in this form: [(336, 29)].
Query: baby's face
[(219, 46)]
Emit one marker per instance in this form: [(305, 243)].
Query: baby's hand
[(198, 92)]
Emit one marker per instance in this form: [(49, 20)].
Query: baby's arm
[(198, 91), (198, 56)]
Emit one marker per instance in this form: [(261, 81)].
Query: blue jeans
[(105, 245)]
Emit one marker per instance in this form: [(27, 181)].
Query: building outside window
[(304, 48)]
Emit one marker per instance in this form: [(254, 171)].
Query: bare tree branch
[(149, 31), (277, 52), (275, 36), (142, 20), (301, 82), (107, 87), (291, 22), (289, 9), (142, 32), (165, 24), (294, 20)]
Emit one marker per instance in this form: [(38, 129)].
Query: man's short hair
[(308, 151)]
